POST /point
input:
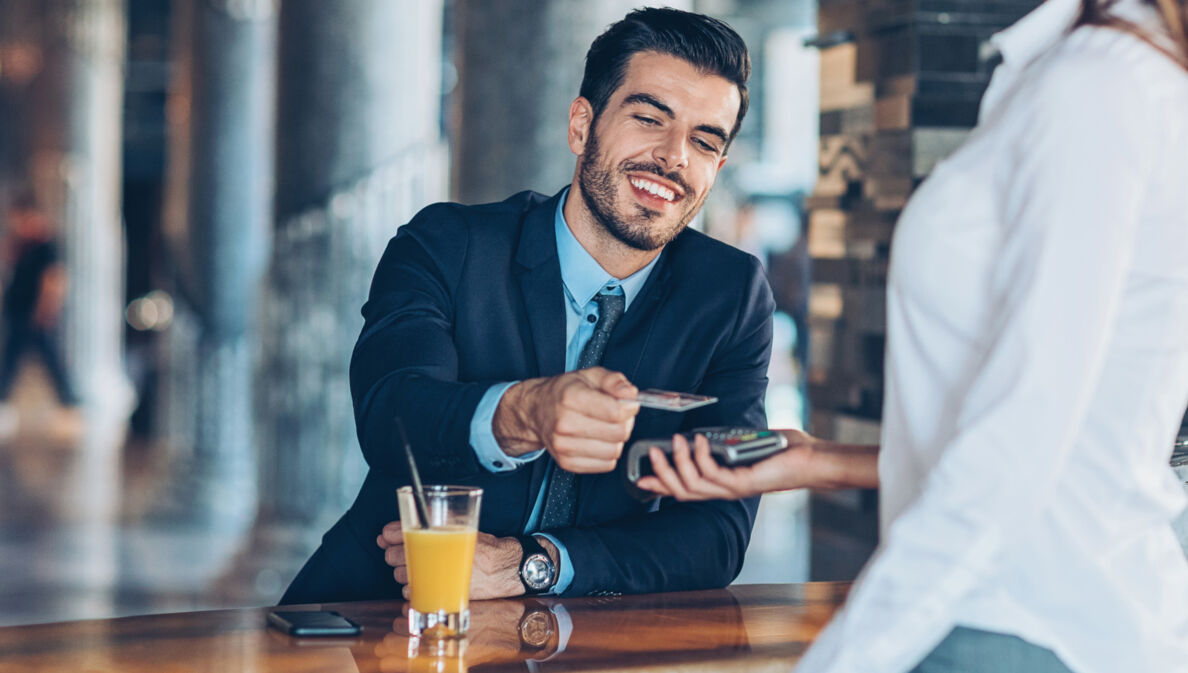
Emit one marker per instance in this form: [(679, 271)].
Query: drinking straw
[(418, 487)]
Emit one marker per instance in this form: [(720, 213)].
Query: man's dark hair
[(704, 42)]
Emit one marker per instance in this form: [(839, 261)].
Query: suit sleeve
[(685, 546), (405, 364)]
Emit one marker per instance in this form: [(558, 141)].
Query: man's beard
[(643, 230)]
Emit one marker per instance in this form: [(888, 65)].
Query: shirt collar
[(582, 275), (1035, 33)]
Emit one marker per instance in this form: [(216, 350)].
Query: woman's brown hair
[(1175, 19)]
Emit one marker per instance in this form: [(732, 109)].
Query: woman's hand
[(695, 475)]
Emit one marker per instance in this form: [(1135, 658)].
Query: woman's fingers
[(681, 478)]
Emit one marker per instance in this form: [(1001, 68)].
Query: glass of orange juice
[(440, 555)]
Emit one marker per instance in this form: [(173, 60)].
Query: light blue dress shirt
[(582, 278)]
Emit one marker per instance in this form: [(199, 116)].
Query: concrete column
[(20, 60), (61, 87), (520, 65), (217, 225), (358, 152), (75, 166)]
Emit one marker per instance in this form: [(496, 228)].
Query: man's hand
[(581, 418), (496, 571)]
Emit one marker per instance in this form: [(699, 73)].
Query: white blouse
[(1037, 370)]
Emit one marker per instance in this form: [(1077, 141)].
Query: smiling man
[(512, 339)]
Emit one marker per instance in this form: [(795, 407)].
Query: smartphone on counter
[(312, 623)]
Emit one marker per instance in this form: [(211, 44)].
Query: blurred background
[(219, 177)]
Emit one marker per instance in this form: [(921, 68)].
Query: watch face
[(535, 628), (537, 571)]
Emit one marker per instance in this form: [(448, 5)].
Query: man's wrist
[(512, 586), (482, 437), (511, 424), (551, 549)]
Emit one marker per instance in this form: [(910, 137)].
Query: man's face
[(651, 157)]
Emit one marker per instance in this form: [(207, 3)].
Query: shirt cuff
[(482, 434), (564, 629), (565, 572)]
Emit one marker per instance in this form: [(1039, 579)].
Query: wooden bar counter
[(760, 627)]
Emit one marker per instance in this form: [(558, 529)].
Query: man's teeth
[(653, 188)]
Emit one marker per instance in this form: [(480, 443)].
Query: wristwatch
[(537, 626), (538, 574)]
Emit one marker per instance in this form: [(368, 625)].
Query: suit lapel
[(539, 273), (540, 285)]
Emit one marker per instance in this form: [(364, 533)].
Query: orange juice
[(439, 564)]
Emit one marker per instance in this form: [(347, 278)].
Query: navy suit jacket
[(468, 296)]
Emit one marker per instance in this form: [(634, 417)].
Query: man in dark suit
[(512, 339)]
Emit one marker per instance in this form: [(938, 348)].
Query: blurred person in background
[(1037, 371), (32, 303)]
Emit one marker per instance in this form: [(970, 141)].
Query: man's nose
[(673, 152)]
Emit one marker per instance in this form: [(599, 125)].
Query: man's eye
[(646, 120), (705, 146)]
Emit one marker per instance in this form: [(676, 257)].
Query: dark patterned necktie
[(560, 503)]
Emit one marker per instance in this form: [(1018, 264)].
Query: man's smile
[(652, 190)]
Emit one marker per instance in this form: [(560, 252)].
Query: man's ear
[(581, 119)]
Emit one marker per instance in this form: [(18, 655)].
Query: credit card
[(672, 401)]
